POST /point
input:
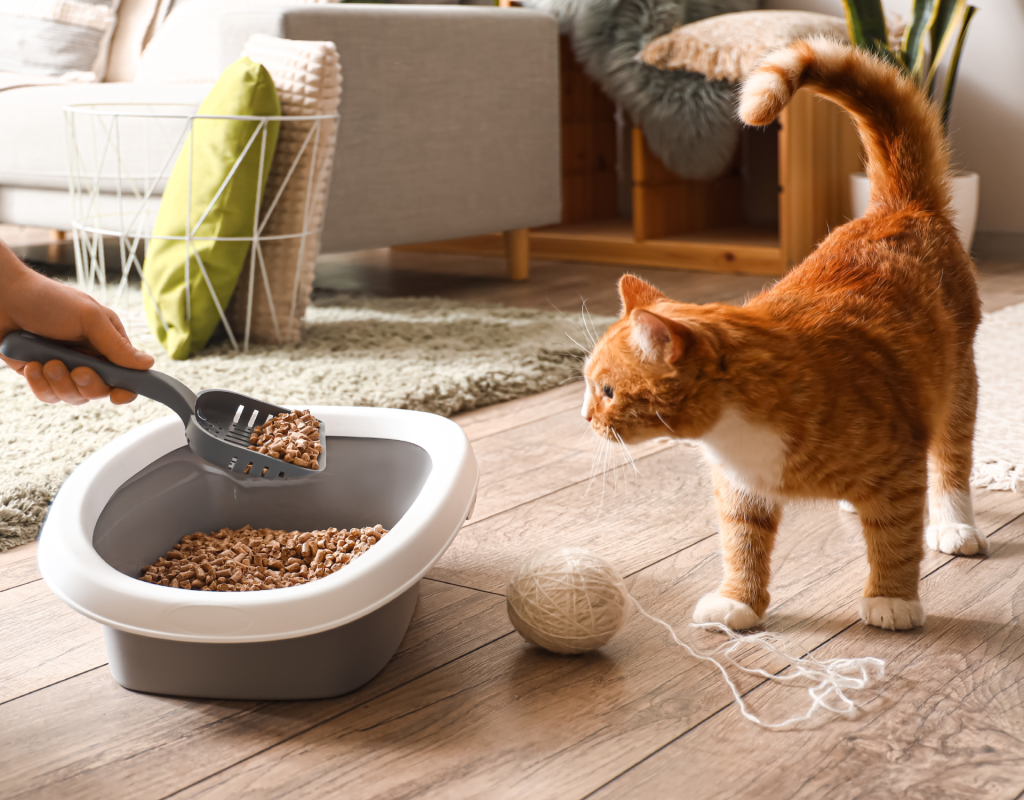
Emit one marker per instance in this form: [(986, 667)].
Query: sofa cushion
[(727, 47), (57, 37), (214, 190), (308, 80), (134, 20), (33, 147), (198, 39)]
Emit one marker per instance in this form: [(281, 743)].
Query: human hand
[(31, 302)]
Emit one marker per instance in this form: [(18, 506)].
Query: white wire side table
[(120, 157)]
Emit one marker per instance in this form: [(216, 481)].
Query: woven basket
[(308, 80)]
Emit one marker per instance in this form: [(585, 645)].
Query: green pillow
[(245, 88)]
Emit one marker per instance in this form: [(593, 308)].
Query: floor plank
[(18, 566), (88, 738), (511, 721), (184, 726), (539, 458), (616, 508), (552, 284), (565, 286), (44, 640), (44, 622), (468, 710), (1000, 285), (948, 721), (483, 422), (634, 520)]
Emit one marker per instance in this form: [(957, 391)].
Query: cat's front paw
[(731, 613), (891, 613), (956, 539)]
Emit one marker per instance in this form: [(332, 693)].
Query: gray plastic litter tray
[(413, 473)]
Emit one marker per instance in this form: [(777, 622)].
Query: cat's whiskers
[(614, 468), (588, 324), (658, 413), (585, 350), (604, 471), (618, 465), (625, 450), (583, 328), (595, 461), (587, 430), (598, 460)]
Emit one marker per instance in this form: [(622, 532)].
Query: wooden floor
[(468, 710)]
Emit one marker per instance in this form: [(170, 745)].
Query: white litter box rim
[(80, 577)]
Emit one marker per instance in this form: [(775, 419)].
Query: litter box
[(131, 501)]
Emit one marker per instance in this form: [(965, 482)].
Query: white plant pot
[(965, 188)]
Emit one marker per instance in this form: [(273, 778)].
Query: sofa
[(449, 120)]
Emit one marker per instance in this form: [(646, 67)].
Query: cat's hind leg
[(893, 520), (748, 525), (951, 526)]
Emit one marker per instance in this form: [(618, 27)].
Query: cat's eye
[(609, 392)]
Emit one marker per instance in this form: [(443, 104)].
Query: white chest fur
[(752, 455)]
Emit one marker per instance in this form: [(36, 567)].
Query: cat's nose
[(589, 418)]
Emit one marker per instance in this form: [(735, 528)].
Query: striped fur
[(853, 375), (908, 162)]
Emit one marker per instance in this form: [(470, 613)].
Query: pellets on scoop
[(293, 437), (253, 559)]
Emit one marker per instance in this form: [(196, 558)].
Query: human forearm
[(34, 303)]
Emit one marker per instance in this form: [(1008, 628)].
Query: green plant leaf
[(954, 64), (922, 17), (943, 31), (865, 22)]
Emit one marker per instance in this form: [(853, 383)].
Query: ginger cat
[(851, 379)]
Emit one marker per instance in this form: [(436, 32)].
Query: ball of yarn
[(567, 600)]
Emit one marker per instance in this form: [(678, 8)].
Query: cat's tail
[(907, 156)]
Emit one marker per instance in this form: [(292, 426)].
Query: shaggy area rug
[(999, 433), (423, 354)]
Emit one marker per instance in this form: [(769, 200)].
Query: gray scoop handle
[(22, 346)]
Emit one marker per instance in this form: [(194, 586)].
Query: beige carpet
[(999, 433), (424, 354)]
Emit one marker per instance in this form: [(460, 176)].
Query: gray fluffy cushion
[(688, 121)]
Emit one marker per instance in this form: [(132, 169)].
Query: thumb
[(112, 343)]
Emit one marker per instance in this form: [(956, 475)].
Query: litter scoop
[(218, 423)]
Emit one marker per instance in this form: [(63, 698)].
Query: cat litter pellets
[(293, 437), (251, 559)]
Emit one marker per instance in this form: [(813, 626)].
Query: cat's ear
[(656, 338), (637, 293)]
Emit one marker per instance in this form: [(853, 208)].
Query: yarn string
[(833, 676), (569, 600)]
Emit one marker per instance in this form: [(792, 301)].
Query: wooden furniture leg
[(517, 253), (56, 239)]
